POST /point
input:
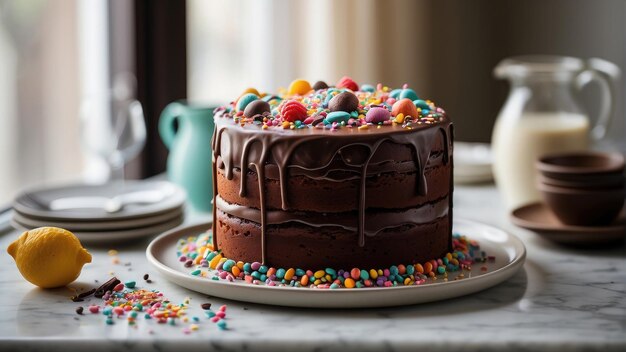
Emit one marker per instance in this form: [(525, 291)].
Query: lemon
[(49, 256)]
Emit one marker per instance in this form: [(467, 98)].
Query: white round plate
[(35, 203), (509, 251), (472, 162), (109, 225), (115, 236)]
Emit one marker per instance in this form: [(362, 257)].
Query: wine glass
[(113, 126)]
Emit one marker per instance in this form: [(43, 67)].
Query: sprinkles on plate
[(196, 253)]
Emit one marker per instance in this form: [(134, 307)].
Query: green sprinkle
[(130, 284), (195, 272)]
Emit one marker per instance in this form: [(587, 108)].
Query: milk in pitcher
[(517, 144)]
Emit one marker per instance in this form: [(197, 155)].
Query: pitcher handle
[(166, 122), (607, 75)]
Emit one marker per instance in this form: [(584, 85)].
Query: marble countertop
[(563, 300)]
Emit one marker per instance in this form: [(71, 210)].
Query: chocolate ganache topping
[(302, 136)]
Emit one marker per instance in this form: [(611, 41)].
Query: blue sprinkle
[(222, 324)]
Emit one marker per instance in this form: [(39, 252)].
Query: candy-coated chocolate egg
[(345, 101), (395, 93), (408, 94), (421, 104), (337, 116), (246, 99), (299, 87), (377, 114), (250, 90), (368, 88), (405, 107), (349, 83), (257, 107), (320, 85)]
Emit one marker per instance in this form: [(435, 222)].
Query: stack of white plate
[(472, 163), (104, 213)]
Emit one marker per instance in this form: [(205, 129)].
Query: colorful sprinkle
[(459, 259)]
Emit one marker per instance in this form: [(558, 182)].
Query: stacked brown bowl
[(584, 189)]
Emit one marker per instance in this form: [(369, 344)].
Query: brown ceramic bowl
[(583, 207), (587, 183), (592, 167)]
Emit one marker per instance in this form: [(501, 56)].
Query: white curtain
[(267, 44)]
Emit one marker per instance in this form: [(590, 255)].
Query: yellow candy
[(289, 274), (428, 268), (373, 274), (419, 268), (235, 270), (213, 263), (399, 118), (319, 274), (299, 87), (349, 283), (250, 90)]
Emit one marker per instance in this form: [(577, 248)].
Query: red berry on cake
[(293, 111)]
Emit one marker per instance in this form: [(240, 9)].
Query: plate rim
[(571, 229), (116, 235), (513, 264), (115, 225), (45, 215)]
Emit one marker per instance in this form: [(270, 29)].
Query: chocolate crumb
[(146, 276), (79, 310), (87, 293), (206, 306), (107, 286)]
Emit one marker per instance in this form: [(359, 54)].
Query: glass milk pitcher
[(542, 115)]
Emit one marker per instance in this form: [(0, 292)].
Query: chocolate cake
[(340, 177)]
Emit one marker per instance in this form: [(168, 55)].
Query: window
[(39, 94)]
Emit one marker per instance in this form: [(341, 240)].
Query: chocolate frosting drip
[(319, 154)]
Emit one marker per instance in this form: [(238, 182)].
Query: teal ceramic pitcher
[(189, 161)]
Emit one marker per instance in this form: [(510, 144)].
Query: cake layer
[(390, 190), (299, 245)]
